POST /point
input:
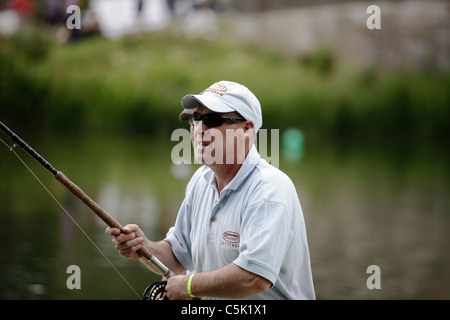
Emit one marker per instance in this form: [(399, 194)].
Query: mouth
[(202, 144)]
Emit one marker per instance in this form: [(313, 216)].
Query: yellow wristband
[(189, 292)]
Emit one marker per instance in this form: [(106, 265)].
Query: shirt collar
[(252, 159)]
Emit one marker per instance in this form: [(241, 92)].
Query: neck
[(224, 174)]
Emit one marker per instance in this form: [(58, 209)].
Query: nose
[(200, 127)]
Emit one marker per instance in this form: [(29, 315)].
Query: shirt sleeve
[(178, 237), (265, 238)]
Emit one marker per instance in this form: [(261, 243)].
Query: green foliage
[(322, 61), (135, 85)]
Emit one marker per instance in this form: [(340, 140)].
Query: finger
[(112, 231), (123, 237), (128, 251), (130, 244), (168, 290), (137, 247)]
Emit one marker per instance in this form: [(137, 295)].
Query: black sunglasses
[(214, 119)]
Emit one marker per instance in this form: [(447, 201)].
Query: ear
[(249, 131), (249, 125)]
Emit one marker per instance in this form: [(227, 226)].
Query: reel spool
[(156, 291)]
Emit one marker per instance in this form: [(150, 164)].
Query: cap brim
[(186, 114), (191, 101)]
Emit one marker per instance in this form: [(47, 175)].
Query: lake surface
[(363, 206)]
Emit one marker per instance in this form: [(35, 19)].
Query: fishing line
[(11, 148)]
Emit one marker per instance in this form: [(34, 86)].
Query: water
[(362, 207)]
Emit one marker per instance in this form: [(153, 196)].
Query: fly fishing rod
[(150, 261)]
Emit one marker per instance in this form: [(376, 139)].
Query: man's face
[(225, 144)]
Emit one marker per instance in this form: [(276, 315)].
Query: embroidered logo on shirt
[(230, 239)]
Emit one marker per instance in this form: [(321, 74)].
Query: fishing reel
[(156, 291)]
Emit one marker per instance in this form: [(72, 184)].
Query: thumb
[(133, 228), (129, 228)]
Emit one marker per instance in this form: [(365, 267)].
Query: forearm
[(163, 251), (230, 281)]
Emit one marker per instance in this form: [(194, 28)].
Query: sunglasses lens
[(212, 120), (209, 119), (196, 116)]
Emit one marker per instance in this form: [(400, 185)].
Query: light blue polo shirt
[(256, 222)]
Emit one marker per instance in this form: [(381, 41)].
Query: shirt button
[(215, 201), (213, 219)]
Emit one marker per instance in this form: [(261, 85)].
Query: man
[(240, 231)]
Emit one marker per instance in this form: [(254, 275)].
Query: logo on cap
[(216, 88)]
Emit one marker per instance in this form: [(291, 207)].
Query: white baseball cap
[(227, 96)]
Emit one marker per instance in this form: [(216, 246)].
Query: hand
[(128, 241), (176, 288)]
